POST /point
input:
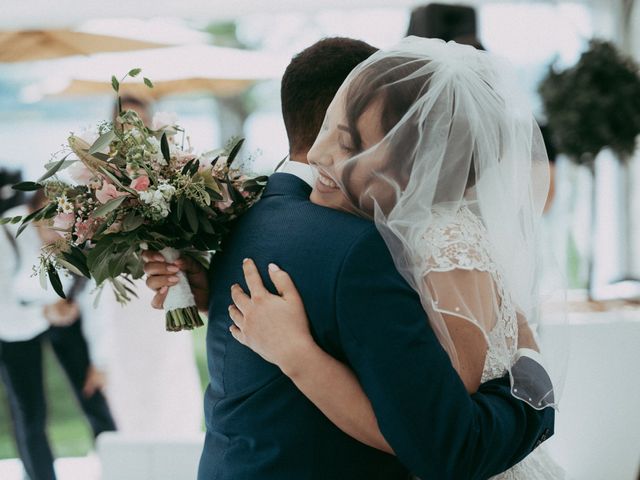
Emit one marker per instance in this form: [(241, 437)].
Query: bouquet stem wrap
[(180, 306)]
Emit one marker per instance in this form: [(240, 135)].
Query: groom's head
[(309, 84)]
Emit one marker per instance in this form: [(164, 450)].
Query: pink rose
[(140, 183), (108, 192), (63, 222)]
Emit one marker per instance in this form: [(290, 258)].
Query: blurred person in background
[(30, 317), (154, 387)]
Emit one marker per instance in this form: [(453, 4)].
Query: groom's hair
[(311, 81)]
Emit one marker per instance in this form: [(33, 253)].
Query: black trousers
[(22, 373)]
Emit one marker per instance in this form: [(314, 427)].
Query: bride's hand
[(273, 326)]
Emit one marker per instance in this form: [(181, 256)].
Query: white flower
[(164, 119), (156, 152), (156, 200), (167, 190), (64, 205)]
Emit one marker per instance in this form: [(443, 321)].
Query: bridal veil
[(457, 187)]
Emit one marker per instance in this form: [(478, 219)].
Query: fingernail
[(230, 307), (245, 260), (273, 267), (173, 279), (163, 290), (173, 269)]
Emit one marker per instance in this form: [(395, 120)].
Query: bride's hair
[(398, 84)]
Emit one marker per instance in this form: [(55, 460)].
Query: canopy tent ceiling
[(216, 86), (218, 70), (65, 13)]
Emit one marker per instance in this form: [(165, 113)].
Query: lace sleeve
[(458, 273)]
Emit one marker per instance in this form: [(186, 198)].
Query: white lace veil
[(456, 187)]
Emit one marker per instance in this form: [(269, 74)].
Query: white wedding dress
[(461, 241)]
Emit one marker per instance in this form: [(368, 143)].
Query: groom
[(361, 311)]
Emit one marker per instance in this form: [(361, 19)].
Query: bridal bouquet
[(134, 188)]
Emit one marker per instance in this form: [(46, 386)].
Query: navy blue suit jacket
[(361, 311)]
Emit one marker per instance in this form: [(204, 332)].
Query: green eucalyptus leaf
[(110, 206), (21, 228), (65, 164), (34, 214), (234, 151), (27, 186), (134, 72), (131, 222), (148, 82), (205, 224), (52, 171), (7, 220), (117, 266), (103, 140), (54, 279), (194, 168), (180, 208), (164, 146), (192, 216), (187, 166), (78, 263), (115, 84), (68, 265), (117, 182)]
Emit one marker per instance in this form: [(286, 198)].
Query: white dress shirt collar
[(301, 170)]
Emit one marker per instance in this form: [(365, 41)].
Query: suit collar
[(287, 184)]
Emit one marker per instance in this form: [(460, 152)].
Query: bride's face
[(335, 147)]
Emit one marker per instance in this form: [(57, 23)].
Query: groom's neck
[(300, 157)]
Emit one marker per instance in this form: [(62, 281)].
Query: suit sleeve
[(434, 426)]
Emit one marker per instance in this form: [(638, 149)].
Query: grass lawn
[(69, 432)]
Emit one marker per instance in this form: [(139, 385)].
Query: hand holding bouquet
[(138, 188)]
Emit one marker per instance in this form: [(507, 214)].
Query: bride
[(435, 144)]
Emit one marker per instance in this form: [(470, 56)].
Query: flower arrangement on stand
[(592, 106)]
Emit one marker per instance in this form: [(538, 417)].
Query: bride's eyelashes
[(345, 148), (345, 140)]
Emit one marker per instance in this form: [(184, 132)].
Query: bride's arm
[(465, 316), (276, 328)]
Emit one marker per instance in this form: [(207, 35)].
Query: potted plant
[(591, 106)]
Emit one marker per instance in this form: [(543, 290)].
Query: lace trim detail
[(460, 241)]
